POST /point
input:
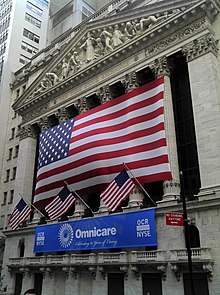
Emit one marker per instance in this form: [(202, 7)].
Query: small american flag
[(60, 204), (118, 190), (19, 214)]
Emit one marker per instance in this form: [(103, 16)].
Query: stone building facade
[(99, 60)]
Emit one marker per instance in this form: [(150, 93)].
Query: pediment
[(95, 42)]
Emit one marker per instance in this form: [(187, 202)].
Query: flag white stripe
[(131, 101), (102, 164), (151, 170), (122, 132), (124, 118)]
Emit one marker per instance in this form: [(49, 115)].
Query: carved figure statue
[(44, 85), (64, 70), (73, 64), (129, 31), (52, 78), (89, 47), (99, 49), (150, 21), (106, 36), (117, 37)]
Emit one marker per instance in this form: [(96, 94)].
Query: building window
[(11, 197), (10, 153), (14, 170), (200, 283), (43, 2), (7, 175), (12, 133), (18, 130), (115, 283), (152, 283), (16, 151), (38, 282), (194, 236), (29, 48), (18, 283), (17, 93), (4, 198), (24, 59), (2, 222), (34, 21), (85, 13), (33, 8), (30, 35)]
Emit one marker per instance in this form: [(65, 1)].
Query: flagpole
[(141, 186), (72, 190), (33, 207)]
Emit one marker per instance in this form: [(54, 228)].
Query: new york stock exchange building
[(139, 88)]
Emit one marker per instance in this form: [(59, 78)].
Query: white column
[(28, 281), (25, 165), (48, 282), (71, 285), (204, 75), (137, 196), (171, 188)]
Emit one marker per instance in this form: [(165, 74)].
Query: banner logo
[(65, 235)]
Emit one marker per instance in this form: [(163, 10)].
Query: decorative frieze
[(175, 38), (200, 46), (28, 116), (96, 44)]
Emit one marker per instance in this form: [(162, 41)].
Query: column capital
[(44, 123), (160, 67), (62, 115), (82, 105), (104, 94), (130, 82), (27, 131), (200, 46)]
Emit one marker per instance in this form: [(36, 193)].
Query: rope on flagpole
[(72, 190), (141, 186)]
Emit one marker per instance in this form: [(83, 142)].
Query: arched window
[(194, 236)]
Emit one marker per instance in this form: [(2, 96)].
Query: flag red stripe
[(148, 115), (103, 156), (102, 171)]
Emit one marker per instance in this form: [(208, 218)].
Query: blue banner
[(113, 231)]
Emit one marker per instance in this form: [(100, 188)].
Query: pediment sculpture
[(94, 46)]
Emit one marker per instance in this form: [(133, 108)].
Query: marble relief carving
[(95, 45)]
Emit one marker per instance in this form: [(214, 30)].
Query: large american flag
[(19, 214), (118, 190), (89, 150)]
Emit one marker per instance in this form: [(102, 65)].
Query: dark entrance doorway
[(18, 283), (115, 284), (201, 284), (152, 284), (38, 281)]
